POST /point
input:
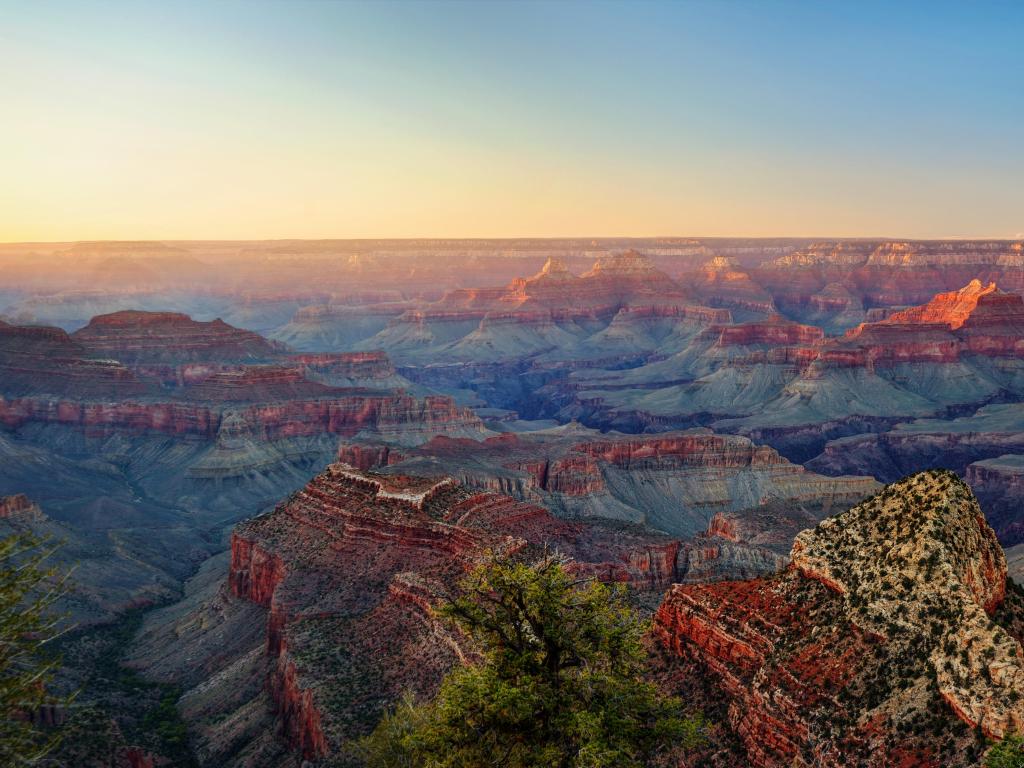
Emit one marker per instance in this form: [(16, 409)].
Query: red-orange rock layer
[(339, 415)]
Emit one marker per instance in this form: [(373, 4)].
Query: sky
[(252, 120)]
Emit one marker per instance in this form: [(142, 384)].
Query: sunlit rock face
[(892, 615), (722, 282)]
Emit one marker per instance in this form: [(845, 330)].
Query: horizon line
[(554, 238)]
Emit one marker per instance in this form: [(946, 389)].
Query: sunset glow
[(270, 120)]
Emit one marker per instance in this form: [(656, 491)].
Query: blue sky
[(259, 119)]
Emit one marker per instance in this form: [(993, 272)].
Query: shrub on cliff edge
[(28, 591), (1008, 753), (560, 683)]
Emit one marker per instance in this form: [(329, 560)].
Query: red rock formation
[(365, 457), (46, 360), (255, 383), (822, 664), (148, 337), (673, 481), (358, 557), (254, 573), (975, 320), (348, 365), (694, 449), (723, 527), (950, 309), (296, 710), (996, 326), (776, 331), (111, 418), (721, 282), (400, 416)]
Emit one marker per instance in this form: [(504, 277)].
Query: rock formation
[(889, 639), (347, 572), (985, 448), (150, 337), (674, 481)]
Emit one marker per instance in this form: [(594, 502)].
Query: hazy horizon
[(522, 238)]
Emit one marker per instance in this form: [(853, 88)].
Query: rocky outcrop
[(885, 620), (721, 282), (775, 331), (352, 366), (733, 547), (253, 573), (949, 309), (935, 332), (254, 384), (101, 418)]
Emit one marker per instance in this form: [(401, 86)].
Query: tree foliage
[(28, 591), (1008, 753), (559, 683)]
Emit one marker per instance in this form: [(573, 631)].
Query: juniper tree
[(559, 683), (28, 591)]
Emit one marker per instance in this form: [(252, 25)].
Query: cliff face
[(984, 448), (975, 320), (675, 481), (399, 417), (949, 309), (999, 485), (37, 359), (887, 630), (354, 563), (354, 366)]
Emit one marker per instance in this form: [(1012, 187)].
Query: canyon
[(734, 505), (345, 576), (287, 453)]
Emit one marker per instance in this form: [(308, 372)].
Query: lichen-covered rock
[(886, 632)]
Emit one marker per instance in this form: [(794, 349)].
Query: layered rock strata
[(349, 570)]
